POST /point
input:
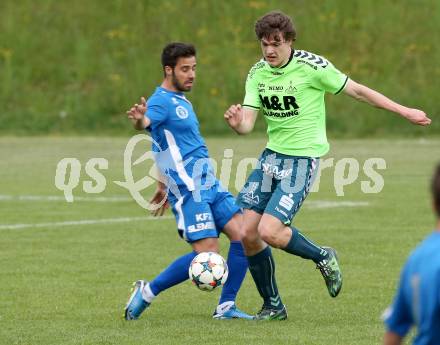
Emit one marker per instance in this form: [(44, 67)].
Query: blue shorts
[(278, 185), (203, 216)]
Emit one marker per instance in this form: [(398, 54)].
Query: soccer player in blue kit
[(417, 302), (201, 206)]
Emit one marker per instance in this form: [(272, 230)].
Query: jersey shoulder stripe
[(311, 58), (258, 66)]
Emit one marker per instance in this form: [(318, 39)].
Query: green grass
[(68, 285), (76, 66)]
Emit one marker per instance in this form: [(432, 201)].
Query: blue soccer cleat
[(231, 313), (136, 304)]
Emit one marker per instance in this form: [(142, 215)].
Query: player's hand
[(417, 117), (137, 111), (234, 115), (160, 197)]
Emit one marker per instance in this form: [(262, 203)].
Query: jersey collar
[(179, 95)]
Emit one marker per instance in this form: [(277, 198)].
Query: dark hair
[(435, 188), (275, 22), (173, 51)]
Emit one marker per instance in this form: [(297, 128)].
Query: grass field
[(67, 283)]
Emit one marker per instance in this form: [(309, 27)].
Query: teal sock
[(303, 247), (262, 268)]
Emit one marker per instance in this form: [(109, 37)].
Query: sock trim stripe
[(271, 275), (309, 242)]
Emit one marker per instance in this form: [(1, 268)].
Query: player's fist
[(160, 201), (137, 111), (417, 117), (234, 115)]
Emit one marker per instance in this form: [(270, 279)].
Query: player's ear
[(168, 71)]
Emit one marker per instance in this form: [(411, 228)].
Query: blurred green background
[(74, 67)]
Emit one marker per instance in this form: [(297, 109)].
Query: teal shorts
[(278, 185)]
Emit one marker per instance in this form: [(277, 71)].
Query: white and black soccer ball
[(208, 270)]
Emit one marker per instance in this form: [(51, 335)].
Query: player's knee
[(206, 245), (233, 228), (268, 234), (249, 235)]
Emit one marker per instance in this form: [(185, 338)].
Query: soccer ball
[(208, 270)]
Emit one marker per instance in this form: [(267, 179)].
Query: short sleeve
[(329, 79), (156, 112), (399, 318), (252, 97)]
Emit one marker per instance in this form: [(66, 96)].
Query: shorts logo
[(249, 197), (202, 217), (286, 202), (281, 211), (181, 112), (201, 226), (204, 222), (272, 170)]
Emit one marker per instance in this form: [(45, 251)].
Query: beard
[(180, 87)]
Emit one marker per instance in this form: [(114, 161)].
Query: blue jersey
[(418, 298), (181, 153)]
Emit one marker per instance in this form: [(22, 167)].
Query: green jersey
[(292, 98)]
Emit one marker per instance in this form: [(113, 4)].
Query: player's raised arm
[(160, 196), (241, 119), (137, 115), (362, 93)]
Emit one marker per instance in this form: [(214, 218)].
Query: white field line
[(81, 222), (120, 198), (311, 204), (44, 198), (334, 204)]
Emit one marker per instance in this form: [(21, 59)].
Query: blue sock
[(174, 274), (237, 264), (303, 247)]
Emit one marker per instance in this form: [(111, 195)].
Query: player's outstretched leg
[(144, 293), (325, 259), (229, 218), (237, 264)]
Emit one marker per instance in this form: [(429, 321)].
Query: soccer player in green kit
[(289, 86)]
